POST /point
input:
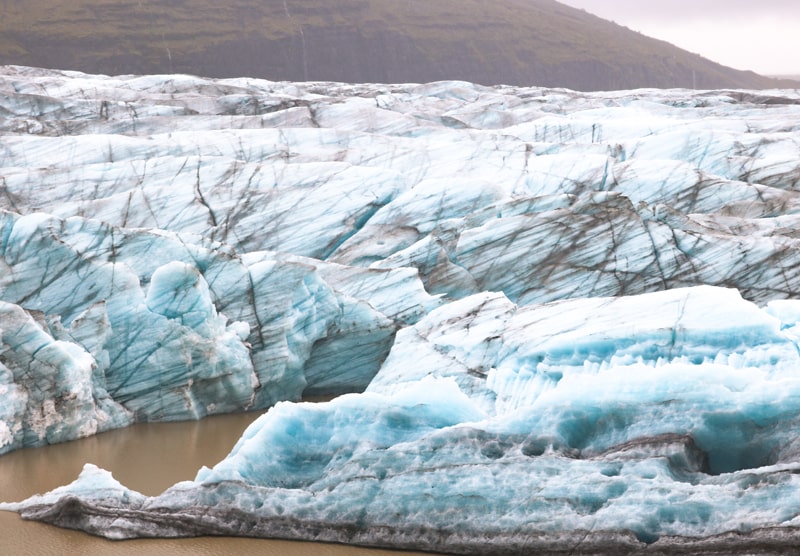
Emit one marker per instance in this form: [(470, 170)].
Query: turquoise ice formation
[(559, 321)]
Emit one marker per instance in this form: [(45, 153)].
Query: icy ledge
[(664, 423)]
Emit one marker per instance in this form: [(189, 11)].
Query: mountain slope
[(525, 42)]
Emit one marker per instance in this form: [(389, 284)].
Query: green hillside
[(522, 42)]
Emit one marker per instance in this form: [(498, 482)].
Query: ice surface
[(441, 188), (161, 346), (565, 321)]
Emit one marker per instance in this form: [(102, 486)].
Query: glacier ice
[(560, 321), (49, 389), (672, 427), (165, 351)]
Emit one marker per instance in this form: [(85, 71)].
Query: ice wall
[(143, 305)]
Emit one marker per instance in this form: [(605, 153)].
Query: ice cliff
[(567, 322)]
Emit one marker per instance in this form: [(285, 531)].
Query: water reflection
[(146, 457)]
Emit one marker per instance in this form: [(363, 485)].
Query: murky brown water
[(148, 458)]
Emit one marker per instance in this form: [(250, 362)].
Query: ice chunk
[(307, 440), (49, 389), (178, 291)]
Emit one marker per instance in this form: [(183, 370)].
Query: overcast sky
[(758, 35)]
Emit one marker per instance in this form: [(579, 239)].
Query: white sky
[(758, 35)]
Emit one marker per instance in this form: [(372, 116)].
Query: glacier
[(549, 321)]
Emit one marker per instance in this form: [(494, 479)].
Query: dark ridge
[(121, 522), (515, 42)]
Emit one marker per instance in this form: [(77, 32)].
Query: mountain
[(518, 42)]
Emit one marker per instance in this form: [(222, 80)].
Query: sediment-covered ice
[(565, 322)]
